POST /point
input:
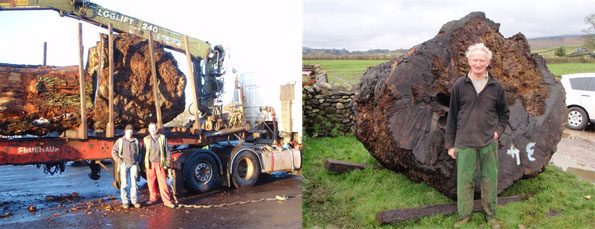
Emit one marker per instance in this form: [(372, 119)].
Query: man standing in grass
[(478, 115)]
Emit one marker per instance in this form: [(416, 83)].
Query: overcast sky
[(394, 24)]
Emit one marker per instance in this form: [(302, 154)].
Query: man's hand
[(496, 136), (452, 153)]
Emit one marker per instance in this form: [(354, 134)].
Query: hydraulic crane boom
[(84, 10)]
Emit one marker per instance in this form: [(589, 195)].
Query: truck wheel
[(577, 118), (246, 170), (201, 173)]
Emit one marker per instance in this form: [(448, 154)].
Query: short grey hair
[(479, 46)]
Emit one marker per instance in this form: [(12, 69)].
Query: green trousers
[(467, 159)]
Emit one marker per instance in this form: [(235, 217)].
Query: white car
[(580, 99)]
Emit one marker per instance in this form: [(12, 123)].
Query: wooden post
[(345, 166), (100, 65), (155, 86), (109, 132), (45, 52), (83, 128), (393, 216), (196, 127)]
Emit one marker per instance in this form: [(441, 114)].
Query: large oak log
[(40, 99), (133, 95), (401, 107)]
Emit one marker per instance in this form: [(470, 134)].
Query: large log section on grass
[(401, 107), (40, 99), (133, 87)]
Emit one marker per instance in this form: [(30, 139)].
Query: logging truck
[(217, 150)]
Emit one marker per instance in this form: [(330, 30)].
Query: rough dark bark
[(401, 107), (133, 86), (40, 99)]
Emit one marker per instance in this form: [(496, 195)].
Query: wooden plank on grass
[(344, 166), (393, 216)]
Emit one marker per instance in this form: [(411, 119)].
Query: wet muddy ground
[(576, 153), (71, 199)]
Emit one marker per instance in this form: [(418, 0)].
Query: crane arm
[(207, 80), (100, 16)]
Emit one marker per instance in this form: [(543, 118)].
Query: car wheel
[(577, 118)]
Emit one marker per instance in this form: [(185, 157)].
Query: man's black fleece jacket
[(473, 118)]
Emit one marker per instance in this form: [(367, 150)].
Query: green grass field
[(550, 52), (351, 200), (350, 71), (345, 71), (570, 68)]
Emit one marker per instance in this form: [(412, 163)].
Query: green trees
[(590, 31), (560, 52)]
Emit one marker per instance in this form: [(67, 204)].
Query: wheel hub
[(203, 172), (575, 118), (245, 168)]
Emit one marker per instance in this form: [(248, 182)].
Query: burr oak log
[(401, 107), (40, 99), (133, 95)]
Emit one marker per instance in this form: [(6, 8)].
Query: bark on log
[(401, 107), (133, 97), (40, 99)]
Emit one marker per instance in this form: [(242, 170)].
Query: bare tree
[(590, 31)]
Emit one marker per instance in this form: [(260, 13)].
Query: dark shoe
[(493, 224), (170, 205), (151, 202), (136, 205), (461, 222), (125, 206)]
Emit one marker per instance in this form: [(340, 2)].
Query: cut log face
[(401, 107), (40, 99), (133, 95)]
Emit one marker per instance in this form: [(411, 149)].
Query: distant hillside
[(555, 41), (539, 45), (372, 54)]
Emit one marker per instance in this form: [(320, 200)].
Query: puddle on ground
[(586, 175)]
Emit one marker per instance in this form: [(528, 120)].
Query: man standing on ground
[(125, 153), (157, 159), (478, 115)]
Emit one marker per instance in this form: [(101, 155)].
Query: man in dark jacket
[(125, 153), (478, 115)]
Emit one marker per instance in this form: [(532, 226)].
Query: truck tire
[(201, 173), (246, 170), (577, 118)]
